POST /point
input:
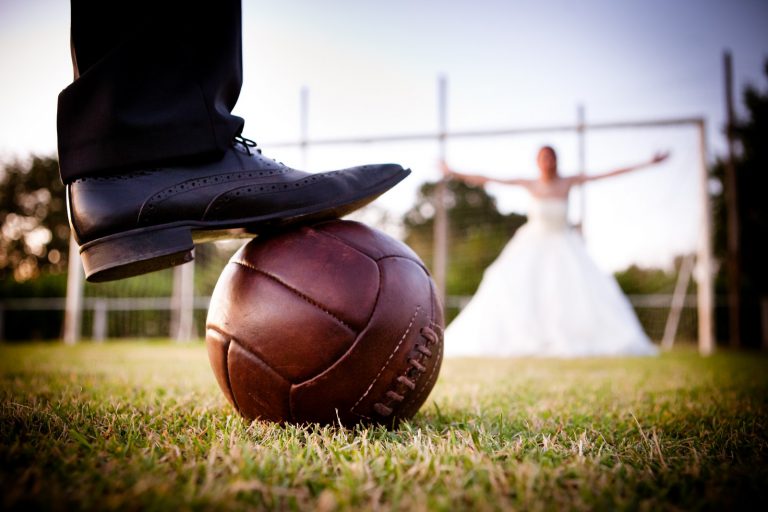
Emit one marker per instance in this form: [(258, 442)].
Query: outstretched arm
[(657, 158), (476, 179)]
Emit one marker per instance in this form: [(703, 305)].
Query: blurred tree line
[(478, 232), (34, 250), (34, 243), (751, 165), (35, 229)]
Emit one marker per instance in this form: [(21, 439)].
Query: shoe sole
[(143, 250)]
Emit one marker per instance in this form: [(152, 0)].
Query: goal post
[(704, 260)]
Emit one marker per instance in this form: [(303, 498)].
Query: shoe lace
[(246, 143)]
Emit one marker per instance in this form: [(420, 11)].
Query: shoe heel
[(131, 254)]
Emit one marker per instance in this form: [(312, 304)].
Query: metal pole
[(582, 166), (304, 125), (99, 331), (732, 214), (764, 321), (183, 302), (440, 257), (500, 132), (705, 258), (73, 310), (678, 301)]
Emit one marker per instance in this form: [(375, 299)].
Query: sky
[(371, 68)]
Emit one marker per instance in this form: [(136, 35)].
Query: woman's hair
[(550, 149)]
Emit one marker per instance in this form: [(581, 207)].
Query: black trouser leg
[(155, 82)]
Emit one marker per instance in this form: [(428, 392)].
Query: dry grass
[(129, 426)]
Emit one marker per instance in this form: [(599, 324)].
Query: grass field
[(143, 426)]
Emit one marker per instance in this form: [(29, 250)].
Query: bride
[(543, 295)]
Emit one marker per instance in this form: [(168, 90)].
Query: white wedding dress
[(544, 296)]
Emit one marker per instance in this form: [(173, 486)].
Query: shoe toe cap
[(377, 174)]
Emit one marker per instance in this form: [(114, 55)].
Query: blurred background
[(483, 84)]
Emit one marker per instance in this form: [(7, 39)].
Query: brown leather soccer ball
[(336, 322)]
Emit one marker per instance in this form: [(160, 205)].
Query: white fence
[(657, 306)]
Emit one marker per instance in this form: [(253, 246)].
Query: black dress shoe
[(139, 222)]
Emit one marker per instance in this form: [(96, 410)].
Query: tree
[(33, 219), (751, 182), (478, 232)]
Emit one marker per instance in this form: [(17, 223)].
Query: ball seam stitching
[(352, 245), (295, 291), (386, 363), (431, 339), (229, 340), (429, 381), (346, 243)]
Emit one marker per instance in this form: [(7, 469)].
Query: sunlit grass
[(139, 425)]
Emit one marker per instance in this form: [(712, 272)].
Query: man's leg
[(155, 83), (152, 156)]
